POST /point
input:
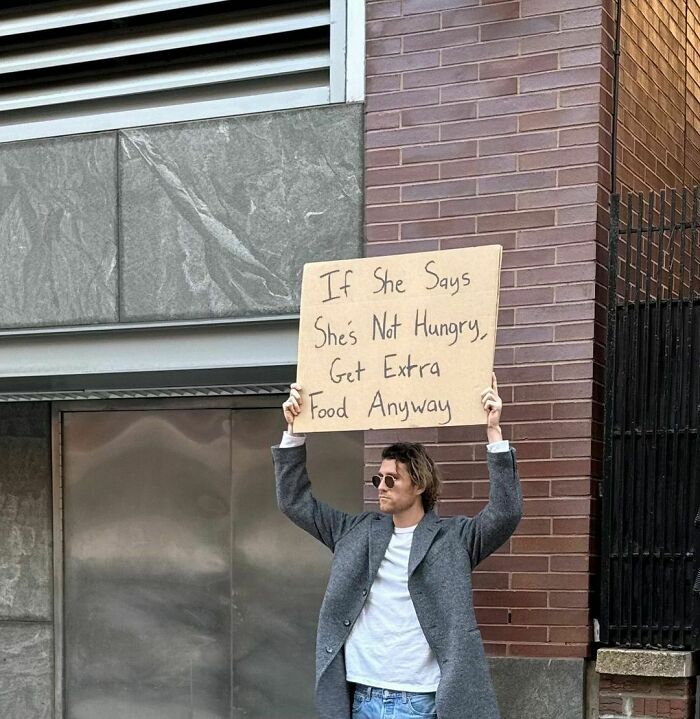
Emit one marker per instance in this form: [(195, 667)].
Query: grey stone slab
[(26, 670), (217, 218), (25, 515), (539, 688), (58, 229), (646, 662)]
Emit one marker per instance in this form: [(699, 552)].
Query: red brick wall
[(489, 122), (659, 101), (692, 95), (646, 697)]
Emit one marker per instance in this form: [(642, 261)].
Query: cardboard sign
[(400, 341)]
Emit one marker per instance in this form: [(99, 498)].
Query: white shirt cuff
[(502, 445), (292, 440)]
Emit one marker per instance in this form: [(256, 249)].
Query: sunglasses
[(389, 480)]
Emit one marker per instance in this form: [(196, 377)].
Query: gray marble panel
[(58, 231), (25, 513), (218, 217), (539, 688), (26, 670)]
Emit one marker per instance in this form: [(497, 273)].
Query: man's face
[(403, 495)]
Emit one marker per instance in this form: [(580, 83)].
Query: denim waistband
[(370, 690)]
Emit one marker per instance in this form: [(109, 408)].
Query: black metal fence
[(651, 487)]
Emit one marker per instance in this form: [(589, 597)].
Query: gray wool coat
[(443, 553)]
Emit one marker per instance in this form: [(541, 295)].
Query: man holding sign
[(397, 633)]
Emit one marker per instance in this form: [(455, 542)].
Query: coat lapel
[(422, 539), (381, 528)]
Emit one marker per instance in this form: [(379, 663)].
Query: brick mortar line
[(479, 63), (415, 203), (520, 55)]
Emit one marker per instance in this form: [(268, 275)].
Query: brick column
[(489, 122), (646, 697)]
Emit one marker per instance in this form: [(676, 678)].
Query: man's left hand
[(493, 405)]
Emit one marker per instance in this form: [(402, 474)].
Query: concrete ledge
[(647, 662)]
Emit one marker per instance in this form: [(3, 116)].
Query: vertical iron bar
[(692, 440), (625, 610), (635, 622), (644, 563), (669, 495), (684, 225), (679, 528), (609, 418), (651, 479), (692, 410), (665, 411), (694, 237)]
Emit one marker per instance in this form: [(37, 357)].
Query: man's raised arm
[(484, 533), (294, 497)]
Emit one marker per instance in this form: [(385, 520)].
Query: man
[(397, 634)]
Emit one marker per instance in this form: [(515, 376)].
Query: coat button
[(347, 622), (364, 592), (329, 650)]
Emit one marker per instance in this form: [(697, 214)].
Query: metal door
[(186, 593)]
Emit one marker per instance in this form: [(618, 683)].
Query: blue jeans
[(375, 703)]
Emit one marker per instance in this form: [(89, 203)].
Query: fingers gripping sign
[(493, 404), (490, 399), (291, 407)]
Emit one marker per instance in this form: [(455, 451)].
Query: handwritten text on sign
[(402, 341)]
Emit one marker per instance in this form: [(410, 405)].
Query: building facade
[(166, 169)]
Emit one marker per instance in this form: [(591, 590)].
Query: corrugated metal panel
[(148, 393)]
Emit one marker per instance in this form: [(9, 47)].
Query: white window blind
[(72, 67)]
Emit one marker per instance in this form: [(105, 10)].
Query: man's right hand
[(291, 407)]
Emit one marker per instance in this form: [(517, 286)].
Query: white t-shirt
[(386, 647)]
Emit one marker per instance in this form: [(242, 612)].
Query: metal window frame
[(355, 51), (347, 51), (300, 85)]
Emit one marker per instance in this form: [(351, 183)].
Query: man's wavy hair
[(421, 468)]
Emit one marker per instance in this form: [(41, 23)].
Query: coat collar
[(381, 530)]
